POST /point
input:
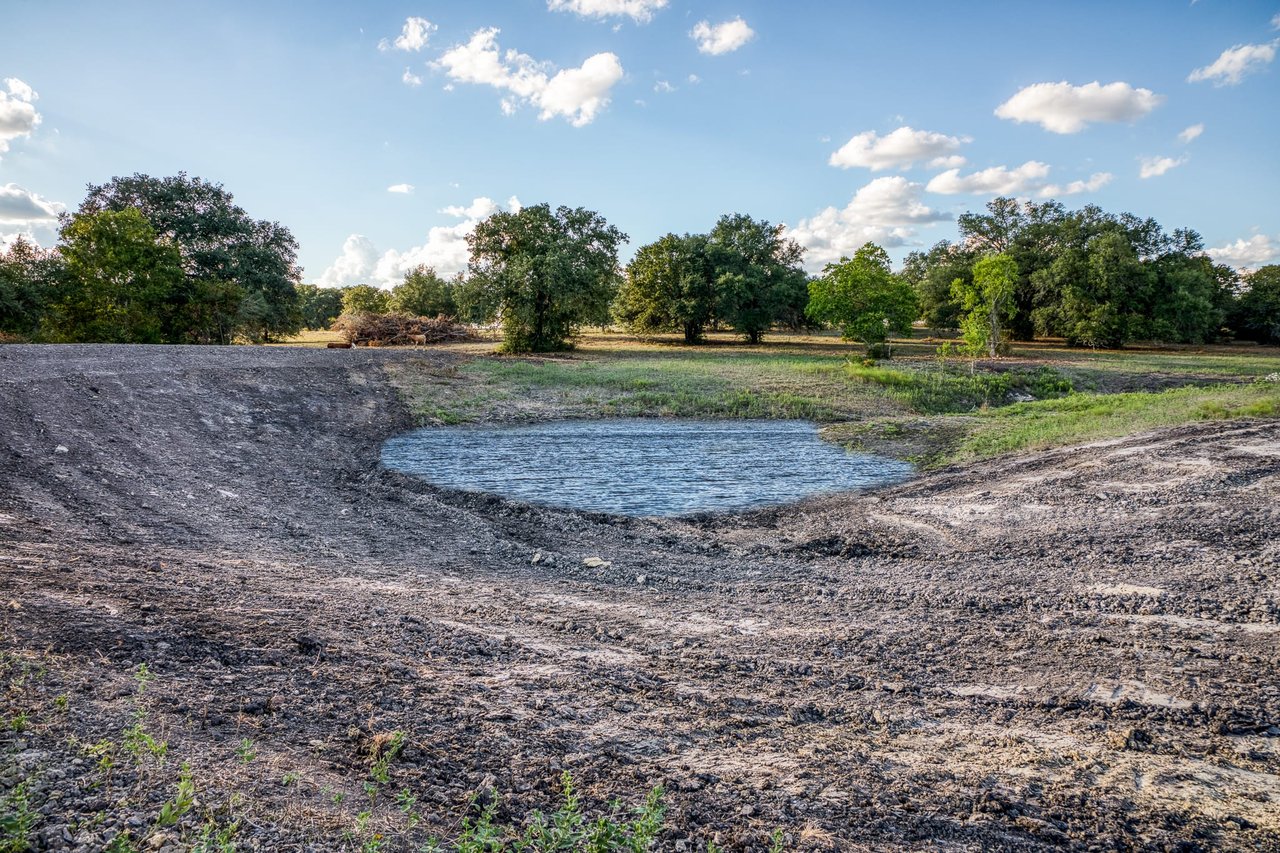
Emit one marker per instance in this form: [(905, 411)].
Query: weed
[(122, 843), (17, 819), (173, 810), (61, 702), (245, 751), (214, 838), (289, 778), (137, 741), (20, 721), (390, 749)]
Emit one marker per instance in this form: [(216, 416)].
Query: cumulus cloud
[(1257, 251), (900, 149), (410, 79), (721, 38), (640, 11), (1063, 108), (1235, 64), (1191, 133), (21, 207), (577, 94), (354, 266), (886, 211), (414, 36), (18, 116), (445, 249), (1093, 183), (998, 180), (1275, 21), (1152, 167), (403, 189), (663, 86)]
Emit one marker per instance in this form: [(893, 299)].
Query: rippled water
[(641, 466)]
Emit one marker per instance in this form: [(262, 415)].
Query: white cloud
[(414, 35), (1259, 250), (577, 94), (1095, 182), (1191, 133), (410, 79), (403, 189), (1235, 64), (640, 11), (886, 211), (663, 86), (445, 249), (694, 79), (900, 149), (724, 37), (18, 116), (354, 266), (1275, 21), (1152, 167), (1063, 108), (21, 207), (998, 180)]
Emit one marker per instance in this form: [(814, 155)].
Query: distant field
[(1042, 395)]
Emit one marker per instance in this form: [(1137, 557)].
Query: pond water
[(641, 466)]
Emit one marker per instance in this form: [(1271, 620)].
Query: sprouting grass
[(1088, 417)]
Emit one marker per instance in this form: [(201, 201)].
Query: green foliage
[(319, 306), (365, 299), (1257, 314), (173, 810), (549, 272), (931, 275), (218, 242), (758, 276), (566, 829), (18, 819), (863, 297), (381, 769), (245, 751), (27, 275), (119, 283), (983, 301), (670, 285), (423, 293), (947, 391)]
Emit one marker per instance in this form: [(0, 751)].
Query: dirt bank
[(1077, 648)]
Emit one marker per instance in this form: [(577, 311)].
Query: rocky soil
[(1074, 649)]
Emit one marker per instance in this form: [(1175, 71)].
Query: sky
[(379, 133)]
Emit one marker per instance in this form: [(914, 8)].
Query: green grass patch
[(1082, 418)]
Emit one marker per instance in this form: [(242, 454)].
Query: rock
[(642, 579), (596, 563), (537, 558), (61, 448)]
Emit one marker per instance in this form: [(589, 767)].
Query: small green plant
[(214, 838), (137, 741), (105, 752), (245, 751), (17, 819), (61, 702), (381, 769), (408, 804), (20, 721), (172, 811), (142, 676), (122, 843), (776, 842), (289, 778)]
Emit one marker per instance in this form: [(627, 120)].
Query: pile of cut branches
[(389, 330)]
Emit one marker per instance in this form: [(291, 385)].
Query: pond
[(641, 466)]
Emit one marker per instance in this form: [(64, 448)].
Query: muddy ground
[(1076, 648)]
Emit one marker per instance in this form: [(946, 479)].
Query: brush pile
[(390, 330)]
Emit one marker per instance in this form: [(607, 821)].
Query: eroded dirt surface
[(1073, 649)]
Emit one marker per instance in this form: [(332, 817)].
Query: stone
[(596, 563)]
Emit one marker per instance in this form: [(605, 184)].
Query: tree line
[(175, 260)]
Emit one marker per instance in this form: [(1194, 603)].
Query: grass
[(1082, 418)]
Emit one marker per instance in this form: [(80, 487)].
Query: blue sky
[(847, 121)]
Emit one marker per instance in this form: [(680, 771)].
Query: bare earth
[(1076, 648)]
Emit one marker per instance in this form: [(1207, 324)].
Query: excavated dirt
[(1075, 649)]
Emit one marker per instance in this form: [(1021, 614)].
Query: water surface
[(641, 466)]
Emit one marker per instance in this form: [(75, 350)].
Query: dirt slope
[(1077, 648)]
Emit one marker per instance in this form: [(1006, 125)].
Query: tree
[(1257, 313), (218, 242), (365, 299), (670, 285), (863, 297), (27, 273), (931, 274), (120, 277), (985, 300), (423, 293), (319, 306), (758, 273), (548, 272)]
